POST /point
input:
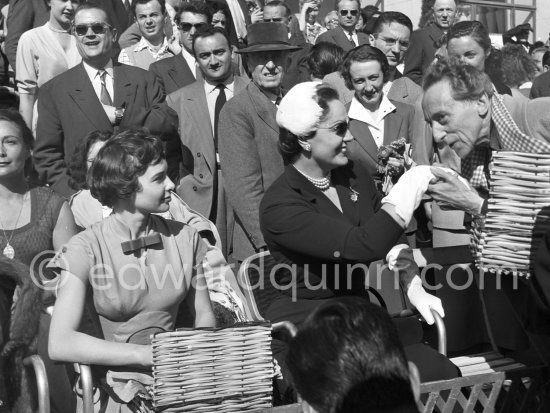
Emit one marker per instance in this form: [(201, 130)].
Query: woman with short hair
[(121, 261)]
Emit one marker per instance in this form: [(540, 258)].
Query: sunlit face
[(188, 27), (458, 124), (63, 11), (393, 40), (213, 55), (468, 51), (348, 14), (13, 151), (219, 20), (154, 193), (444, 13), (367, 80), (268, 69), (95, 48), (331, 20), (92, 153), (150, 20), (537, 57), (329, 144), (312, 14)]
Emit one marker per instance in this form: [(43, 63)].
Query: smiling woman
[(119, 261)]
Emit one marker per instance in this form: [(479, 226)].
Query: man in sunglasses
[(345, 34), (424, 42), (97, 94)]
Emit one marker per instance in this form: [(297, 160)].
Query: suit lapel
[(364, 139), (124, 88), (180, 71), (264, 107), (84, 96), (392, 126), (346, 187), (198, 112)]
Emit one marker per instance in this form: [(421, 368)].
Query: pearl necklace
[(321, 183)]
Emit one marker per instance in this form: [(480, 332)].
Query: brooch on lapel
[(353, 195)]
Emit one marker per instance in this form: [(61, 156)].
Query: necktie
[(128, 7), (220, 101), (278, 100), (104, 96), (353, 44)]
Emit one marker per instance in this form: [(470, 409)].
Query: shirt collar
[(186, 54), (359, 112), (144, 44), (229, 84), (93, 72)]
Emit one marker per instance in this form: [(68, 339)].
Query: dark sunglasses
[(340, 129), (346, 12), (97, 28), (186, 27)]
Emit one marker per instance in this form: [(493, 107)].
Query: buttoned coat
[(339, 38), (69, 109), (250, 160), (421, 52), (197, 144)]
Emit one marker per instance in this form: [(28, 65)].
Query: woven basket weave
[(213, 370), (518, 214)]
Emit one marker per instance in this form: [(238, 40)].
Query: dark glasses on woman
[(340, 128), (97, 28), (186, 27), (346, 12)]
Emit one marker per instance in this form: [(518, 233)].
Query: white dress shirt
[(93, 74), (374, 120), (212, 93)]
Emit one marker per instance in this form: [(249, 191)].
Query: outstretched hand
[(449, 190)]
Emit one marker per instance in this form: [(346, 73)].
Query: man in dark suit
[(345, 34), (424, 42), (24, 15), (198, 106), (95, 95), (249, 135), (181, 70)]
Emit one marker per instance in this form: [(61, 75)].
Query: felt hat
[(267, 37)]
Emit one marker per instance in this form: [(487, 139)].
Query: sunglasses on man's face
[(186, 27), (346, 12), (97, 28)]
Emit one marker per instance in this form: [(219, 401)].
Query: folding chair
[(35, 361)]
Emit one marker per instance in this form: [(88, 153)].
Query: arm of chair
[(87, 387), (41, 382)]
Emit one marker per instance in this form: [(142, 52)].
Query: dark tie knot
[(220, 86)]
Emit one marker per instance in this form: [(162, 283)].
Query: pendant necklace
[(8, 251)]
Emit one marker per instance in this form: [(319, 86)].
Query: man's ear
[(414, 377), (545, 68), (371, 39), (483, 104)]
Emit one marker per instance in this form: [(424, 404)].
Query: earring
[(306, 146)]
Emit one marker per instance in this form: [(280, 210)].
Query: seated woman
[(34, 221), (136, 267), (227, 300), (325, 222)]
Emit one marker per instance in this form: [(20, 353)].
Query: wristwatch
[(119, 113)]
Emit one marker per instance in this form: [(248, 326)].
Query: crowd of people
[(146, 138)]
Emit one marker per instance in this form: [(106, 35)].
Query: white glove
[(423, 301), (391, 257), (407, 193)]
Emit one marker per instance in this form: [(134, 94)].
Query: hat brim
[(268, 48)]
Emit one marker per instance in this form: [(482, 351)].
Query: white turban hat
[(298, 111)]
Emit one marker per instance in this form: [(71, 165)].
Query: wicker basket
[(213, 370), (518, 214)]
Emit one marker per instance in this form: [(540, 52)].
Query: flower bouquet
[(393, 161)]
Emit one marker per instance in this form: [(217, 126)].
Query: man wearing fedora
[(248, 134)]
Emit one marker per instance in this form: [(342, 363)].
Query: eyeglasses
[(340, 129), (186, 27), (391, 42), (346, 12), (97, 28)]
